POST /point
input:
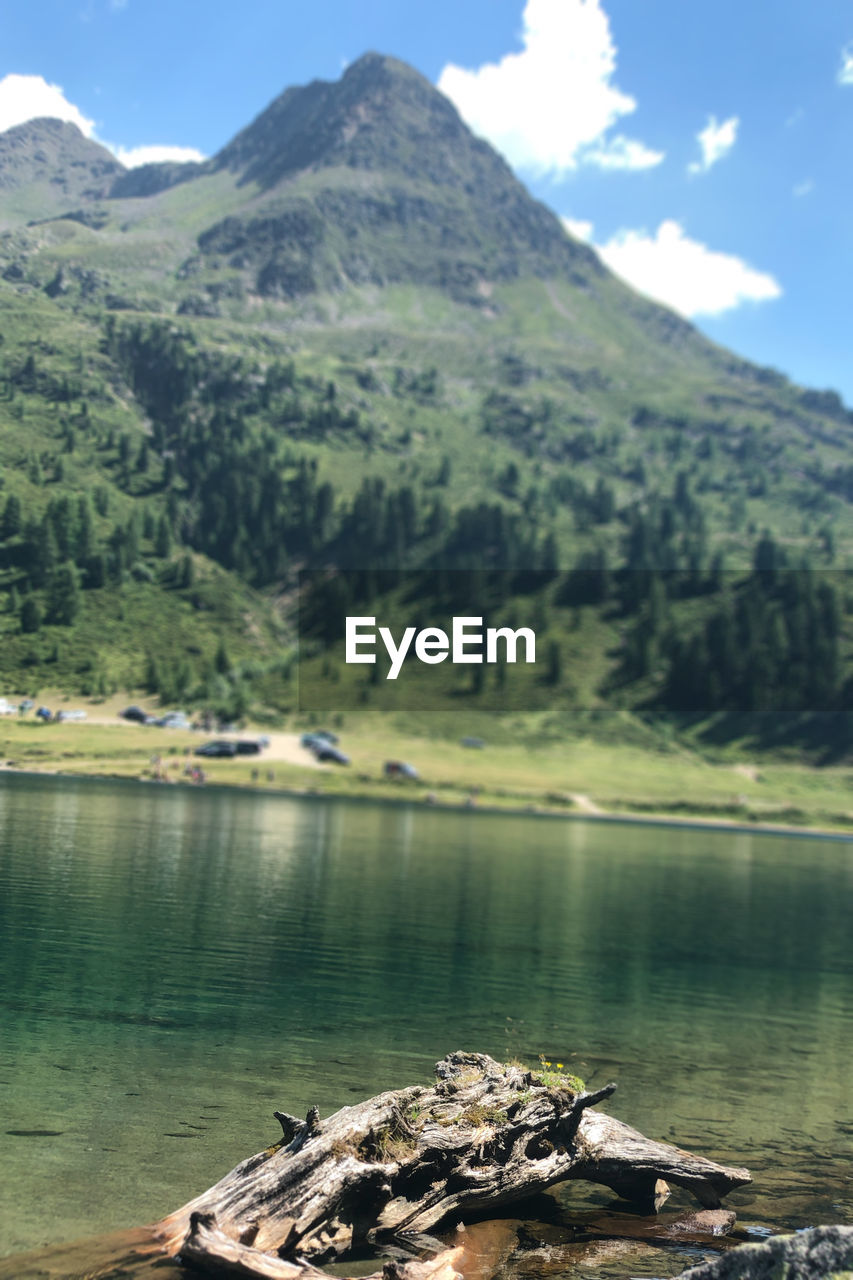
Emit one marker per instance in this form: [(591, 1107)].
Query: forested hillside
[(352, 340)]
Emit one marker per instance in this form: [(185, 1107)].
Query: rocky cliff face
[(56, 153), (376, 179)]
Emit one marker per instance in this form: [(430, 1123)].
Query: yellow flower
[(559, 1066)]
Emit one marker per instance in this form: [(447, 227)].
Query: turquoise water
[(175, 964)]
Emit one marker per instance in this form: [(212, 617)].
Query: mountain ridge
[(373, 179), (429, 177), (382, 118)]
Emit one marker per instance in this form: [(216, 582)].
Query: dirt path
[(284, 748), (585, 804)]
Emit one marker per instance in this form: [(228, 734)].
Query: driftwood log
[(406, 1162)]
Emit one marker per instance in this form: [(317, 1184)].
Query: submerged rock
[(817, 1254), (712, 1222)]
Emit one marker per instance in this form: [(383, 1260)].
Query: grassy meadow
[(525, 763)]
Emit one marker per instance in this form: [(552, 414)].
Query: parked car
[(44, 713), (136, 714), (327, 754), (247, 748), (477, 743), (399, 769), (70, 715), (219, 747), (174, 720), (313, 737)]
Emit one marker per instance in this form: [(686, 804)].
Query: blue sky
[(704, 149)]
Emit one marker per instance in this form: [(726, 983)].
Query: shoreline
[(688, 821), (521, 768)]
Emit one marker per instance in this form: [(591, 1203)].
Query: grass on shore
[(515, 769)]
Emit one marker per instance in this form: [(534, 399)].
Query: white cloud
[(623, 153), (685, 274), (549, 107), (579, 228), (804, 188), (845, 71), (716, 141), (132, 157), (25, 98)]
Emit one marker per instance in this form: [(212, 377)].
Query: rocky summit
[(51, 167)]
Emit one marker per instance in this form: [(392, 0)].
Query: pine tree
[(124, 449), (163, 542), (43, 554), (133, 539), (63, 600), (187, 572), (96, 570), (603, 502), (12, 521), (61, 517), (152, 678), (182, 679), (222, 662), (84, 537), (30, 615)]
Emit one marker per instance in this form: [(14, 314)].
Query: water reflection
[(165, 951)]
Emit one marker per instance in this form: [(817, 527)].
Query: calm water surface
[(176, 964)]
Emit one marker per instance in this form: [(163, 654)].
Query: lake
[(177, 963)]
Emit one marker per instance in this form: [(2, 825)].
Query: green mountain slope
[(352, 337)]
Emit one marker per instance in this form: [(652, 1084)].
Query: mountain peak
[(399, 189), (52, 151), (376, 116), (374, 65)]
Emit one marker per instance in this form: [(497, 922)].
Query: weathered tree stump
[(406, 1161)]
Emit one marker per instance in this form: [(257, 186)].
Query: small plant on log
[(558, 1079)]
